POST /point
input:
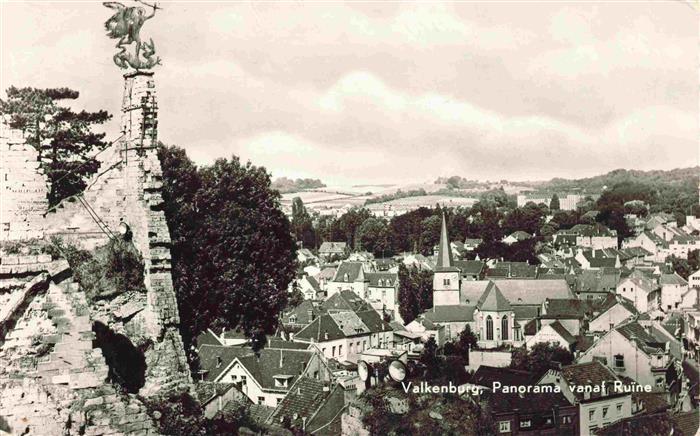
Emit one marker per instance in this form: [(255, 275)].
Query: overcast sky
[(393, 92)]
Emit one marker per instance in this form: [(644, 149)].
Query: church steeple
[(444, 259)]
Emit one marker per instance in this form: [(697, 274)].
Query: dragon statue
[(125, 26)]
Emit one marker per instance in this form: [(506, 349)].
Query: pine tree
[(64, 139)]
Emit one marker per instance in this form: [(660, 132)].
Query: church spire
[(444, 259)]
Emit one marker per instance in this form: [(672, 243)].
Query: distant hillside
[(285, 185), (679, 176)]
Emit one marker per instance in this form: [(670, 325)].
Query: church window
[(489, 328), (504, 327)]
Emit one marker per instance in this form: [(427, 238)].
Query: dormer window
[(346, 277), (293, 319), (219, 361)]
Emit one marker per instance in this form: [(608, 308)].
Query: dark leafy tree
[(467, 341), (540, 357), (65, 139), (233, 252), (302, 225), (554, 203), (415, 292), (430, 234), (346, 226), (373, 236)]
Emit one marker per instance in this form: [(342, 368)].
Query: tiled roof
[(533, 292), (274, 362), (321, 329), (563, 332), (349, 323), (588, 374), (450, 313), (348, 272), (485, 376), (512, 269), (637, 334), (672, 279), (303, 399), (493, 300), (374, 321), (687, 422), (327, 273), (520, 235), (333, 247), (214, 359), (565, 308), (345, 300), (470, 267), (207, 338), (591, 230), (382, 279), (527, 403), (525, 312), (304, 313)]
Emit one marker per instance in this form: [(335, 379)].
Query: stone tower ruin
[(54, 377)]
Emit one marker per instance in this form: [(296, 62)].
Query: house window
[(619, 409), (279, 400), (446, 282), (333, 353), (244, 380), (525, 423), (261, 400), (566, 420), (489, 328), (605, 412), (340, 350), (591, 414), (350, 348), (504, 327), (504, 426), (660, 382), (619, 361)]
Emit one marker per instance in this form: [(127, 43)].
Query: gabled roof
[(672, 279), (563, 332), (303, 400), (638, 335), (382, 279), (374, 321), (512, 269), (687, 422), (591, 230), (333, 247), (216, 358), (470, 267), (327, 273), (304, 313), (270, 363), (492, 300), (349, 272), (345, 300), (565, 308), (450, 313), (520, 235), (588, 374), (533, 292)]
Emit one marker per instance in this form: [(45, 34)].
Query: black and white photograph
[(356, 218)]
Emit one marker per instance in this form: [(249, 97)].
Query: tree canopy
[(233, 252)]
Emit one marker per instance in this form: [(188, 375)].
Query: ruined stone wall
[(23, 193), (54, 389)]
